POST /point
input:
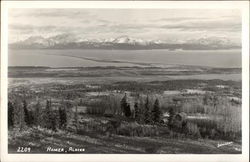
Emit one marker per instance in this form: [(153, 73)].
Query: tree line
[(19, 117), (142, 112)]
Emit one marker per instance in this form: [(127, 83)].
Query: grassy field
[(40, 139)]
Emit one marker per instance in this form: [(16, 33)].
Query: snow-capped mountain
[(123, 42), (129, 40), (123, 39), (63, 39), (38, 40)]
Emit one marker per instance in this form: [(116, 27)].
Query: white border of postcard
[(241, 5)]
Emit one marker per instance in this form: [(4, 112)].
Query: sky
[(173, 25)]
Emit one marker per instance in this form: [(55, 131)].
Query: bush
[(135, 129), (96, 110), (98, 107), (192, 130), (106, 104)]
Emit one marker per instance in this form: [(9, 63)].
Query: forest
[(135, 115)]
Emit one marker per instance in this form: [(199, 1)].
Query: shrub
[(152, 149), (114, 103), (135, 129), (99, 107), (192, 130), (95, 110)]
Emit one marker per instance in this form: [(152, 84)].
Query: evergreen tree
[(50, 120), (27, 115), (32, 117), (137, 111), (156, 112), (147, 114), (38, 115), (124, 103), (125, 106), (47, 114), (127, 111), (171, 117), (10, 115), (18, 115), (141, 111), (76, 118), (54, 122), (62, 117)]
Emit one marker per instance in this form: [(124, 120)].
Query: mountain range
[(122, 42)]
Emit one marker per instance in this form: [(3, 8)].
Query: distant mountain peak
[(123, 39), (39, 40), (124, 42)]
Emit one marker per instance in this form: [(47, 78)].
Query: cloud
[(30, 27), (205, 26), (100, 23), (43, 13)]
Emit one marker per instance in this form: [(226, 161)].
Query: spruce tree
[(147, 111), (137, 111), (18, 115), (127, 111), (171, 117), (156, 112), (62, 117), (38, 114), (124, 103), (47, 115), (10, 115), (141, 114), (54, 122), (125, 106), (27, 115), (76, 118), (50, 120)]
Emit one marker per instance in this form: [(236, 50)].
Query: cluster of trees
[(142, 112), (19, 117), (155, 86), (223, 118)]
